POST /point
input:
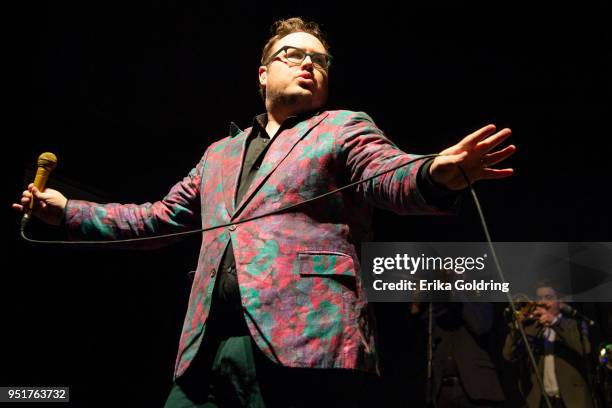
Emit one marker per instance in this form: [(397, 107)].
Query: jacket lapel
[(233, 157), (278, 151)]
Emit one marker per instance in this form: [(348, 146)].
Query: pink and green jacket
[(298, 270)]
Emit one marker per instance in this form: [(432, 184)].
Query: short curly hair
[(282, 28)]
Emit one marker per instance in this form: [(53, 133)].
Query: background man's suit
[(462, 350), (301, 292), (569, 351)]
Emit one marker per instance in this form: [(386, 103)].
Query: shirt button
[(266, 140), (232, 227), (213, 272)]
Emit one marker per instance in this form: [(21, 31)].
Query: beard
[(289, 101), (292, 102)]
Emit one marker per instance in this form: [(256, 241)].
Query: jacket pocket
[(325, 263), (324, 300)]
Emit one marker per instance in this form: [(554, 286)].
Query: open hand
[(476, 156)]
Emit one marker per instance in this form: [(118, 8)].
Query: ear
[(263, 75)]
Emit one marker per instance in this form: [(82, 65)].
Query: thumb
[(39, 195)]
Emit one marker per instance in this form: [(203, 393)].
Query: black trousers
[(238, 374), (229, 370)]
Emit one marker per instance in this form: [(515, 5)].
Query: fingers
[(473, 138), (26, 198), (490, 142), (36, 192), (494, 174), (40, 195), (499, 156)]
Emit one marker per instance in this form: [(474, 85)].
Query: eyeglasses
[(295, 56), (547, 297)]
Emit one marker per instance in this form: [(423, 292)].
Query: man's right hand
[(544, 316), (49, 205)]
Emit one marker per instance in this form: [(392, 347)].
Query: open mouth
[(306, 83), (306, 75)]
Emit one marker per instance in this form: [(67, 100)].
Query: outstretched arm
[(475, 154), (366, 151), (178, 210)]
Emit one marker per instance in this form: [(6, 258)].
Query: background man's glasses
[(295, 56)]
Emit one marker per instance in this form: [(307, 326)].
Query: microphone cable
[(509, 298), (310, 200), (195, 231)]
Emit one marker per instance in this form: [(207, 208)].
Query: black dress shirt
[(227, 307)]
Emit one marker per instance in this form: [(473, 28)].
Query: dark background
[(129, 95)]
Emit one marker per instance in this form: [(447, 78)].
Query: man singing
[(277, 314)]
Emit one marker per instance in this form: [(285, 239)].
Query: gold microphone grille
[(47, 160)]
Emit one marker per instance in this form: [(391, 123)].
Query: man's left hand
[(476, 156)]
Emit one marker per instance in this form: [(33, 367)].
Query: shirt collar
[(261, 121)]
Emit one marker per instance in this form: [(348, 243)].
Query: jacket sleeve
[(366, 151), (179, 210), (509, 349), (513, 344)]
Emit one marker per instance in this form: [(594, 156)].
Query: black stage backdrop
[(129, 95)]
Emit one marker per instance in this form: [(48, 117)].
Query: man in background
[(560, 344), (463, 372)]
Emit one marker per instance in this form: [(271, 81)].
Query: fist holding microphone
[(44, 203)]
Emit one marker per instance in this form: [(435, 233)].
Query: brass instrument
[(525, 307)]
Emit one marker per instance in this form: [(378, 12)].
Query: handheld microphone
[(46, 163)]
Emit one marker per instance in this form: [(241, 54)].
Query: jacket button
[(213, 271), (232, 227)]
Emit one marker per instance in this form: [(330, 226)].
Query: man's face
[(295, 87), (548, 296)]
